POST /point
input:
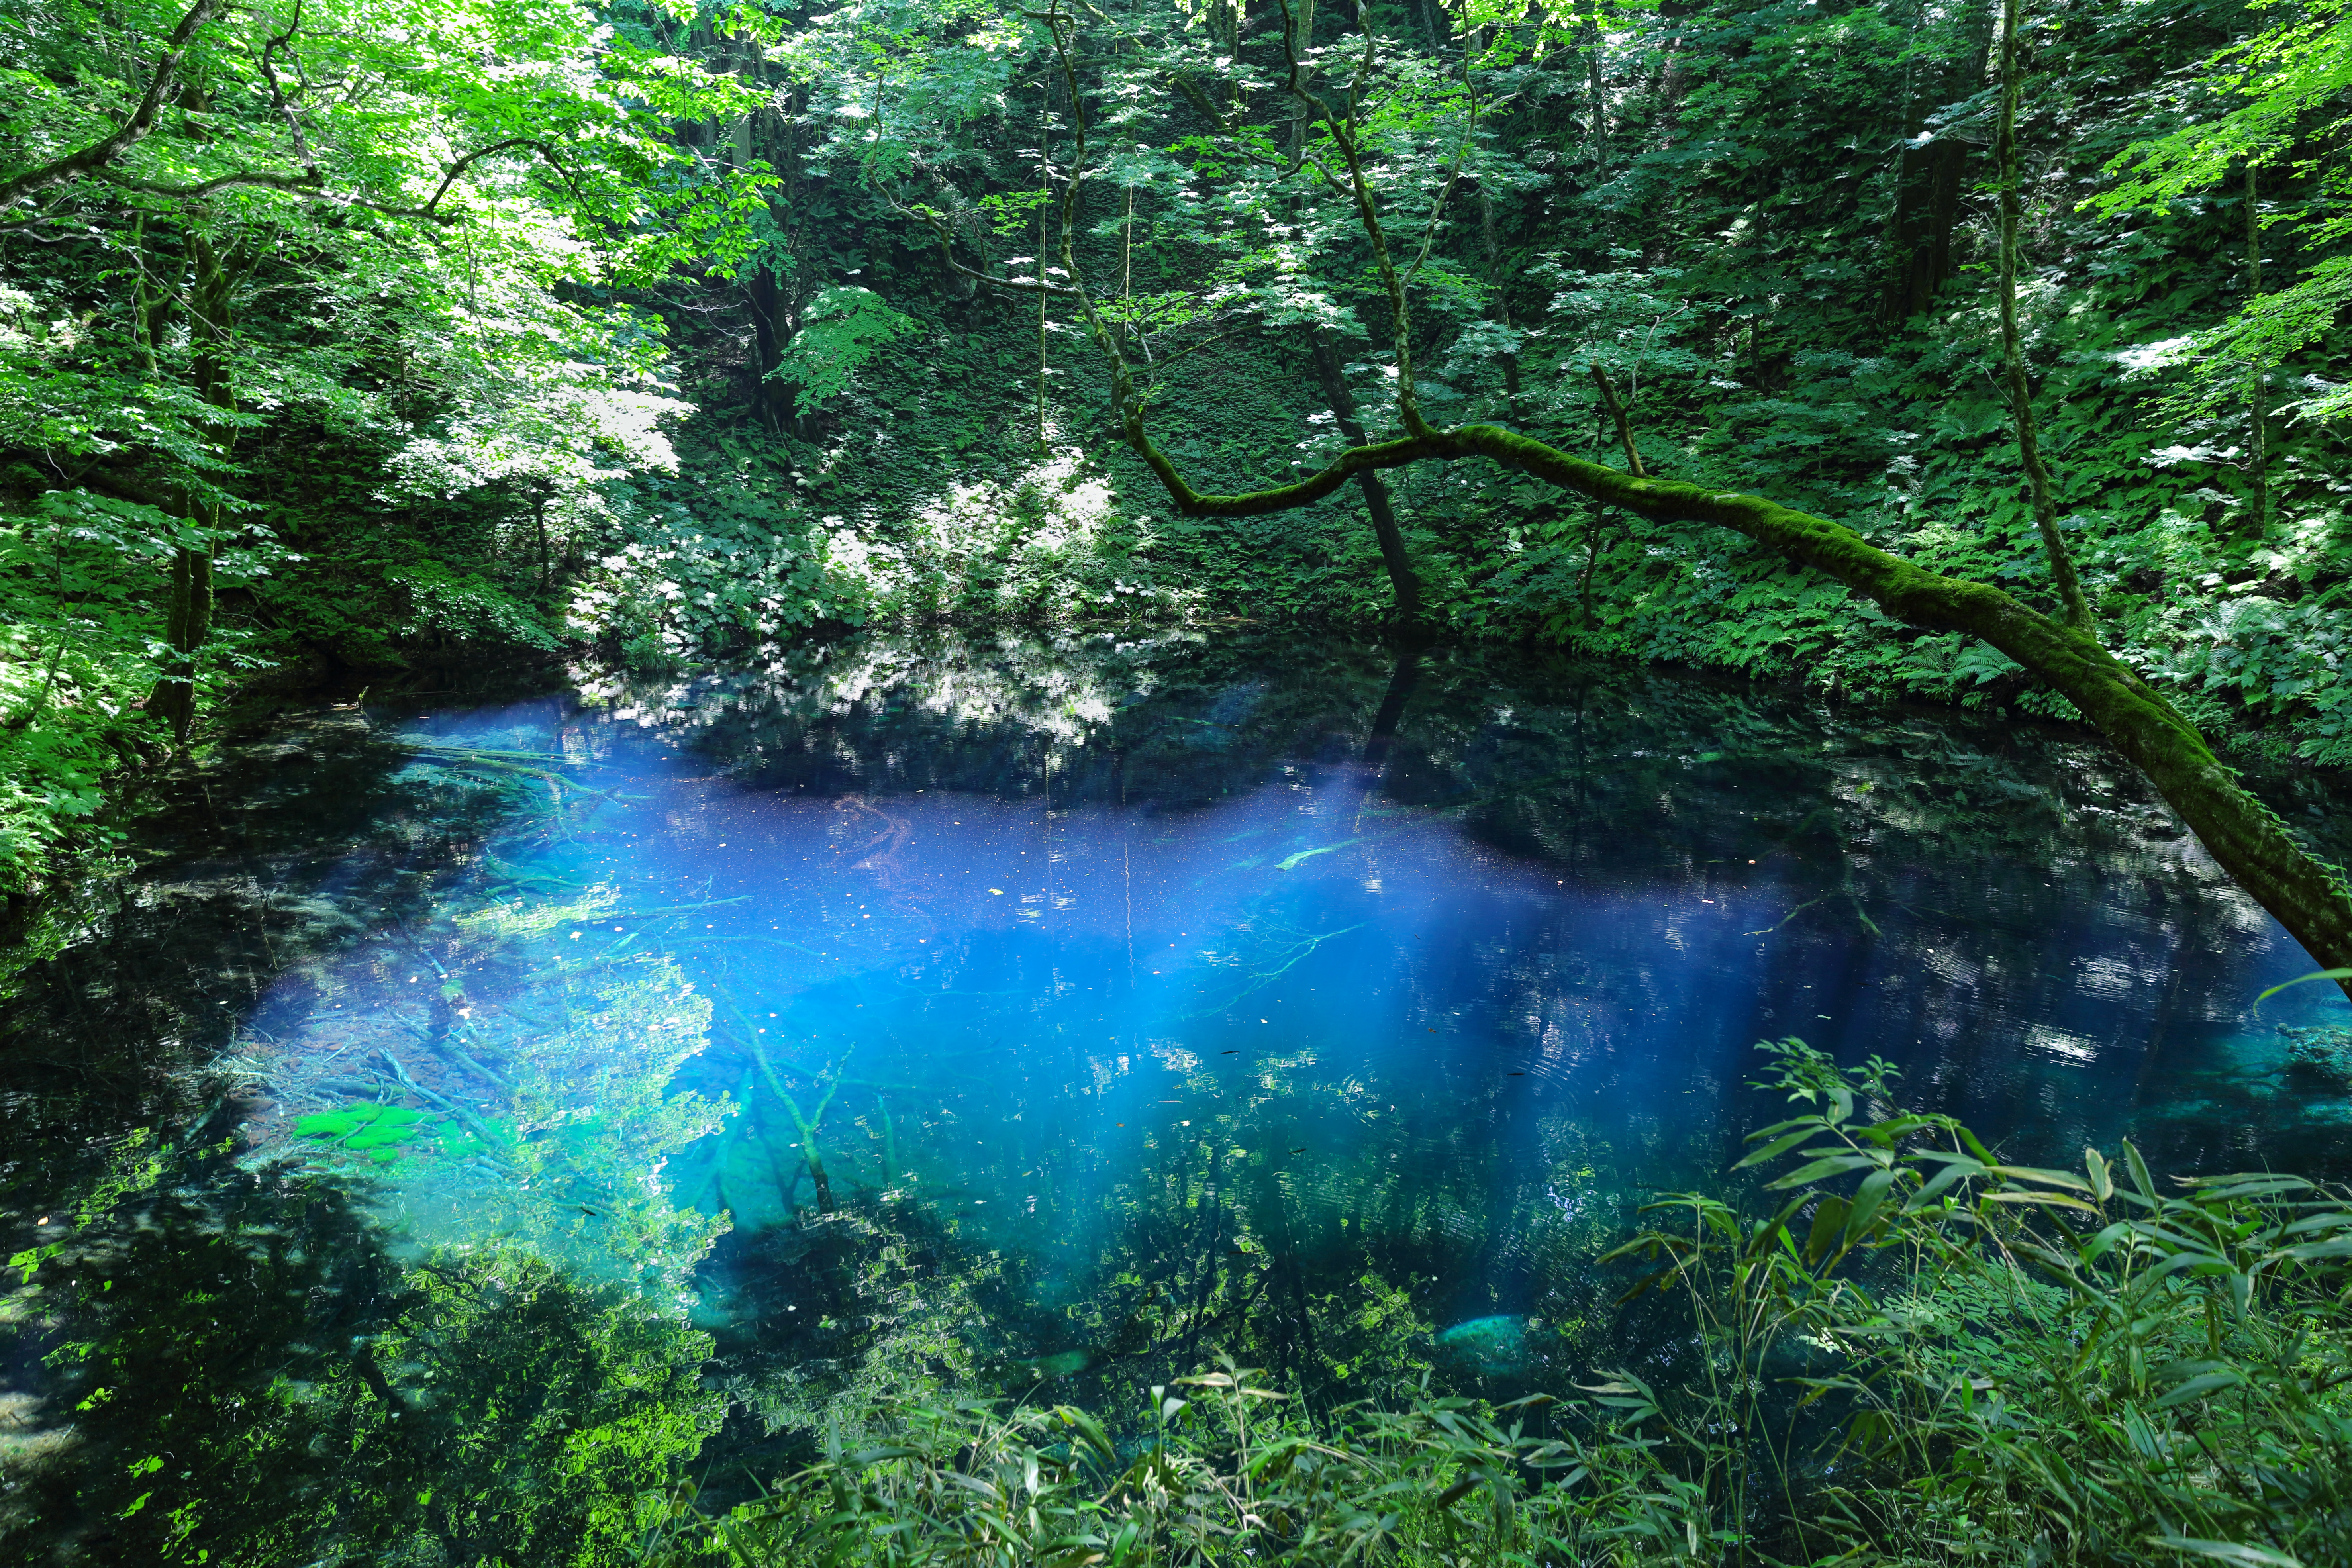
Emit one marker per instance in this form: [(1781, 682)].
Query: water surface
[(1012, 1014)]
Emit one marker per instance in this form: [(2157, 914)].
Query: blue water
[(1133, 970)]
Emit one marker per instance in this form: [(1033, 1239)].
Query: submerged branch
[(474, 1124), (807, 1124)]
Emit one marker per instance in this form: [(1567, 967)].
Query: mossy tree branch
[(2249, 841)]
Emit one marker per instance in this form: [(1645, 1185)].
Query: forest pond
[(1123, 1001)]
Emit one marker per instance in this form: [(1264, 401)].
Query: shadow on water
[(470, 1111)]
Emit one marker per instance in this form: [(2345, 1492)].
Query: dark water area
[(720, 1057)]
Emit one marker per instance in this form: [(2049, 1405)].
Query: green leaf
[(1949, 1176), (1777, 1148), (2103, 1185), (1867, 1200), (1825, 1167), (2047, 1178), (1828, 1224), (2138, 1168), (2097, 1247), (2040, 1200), (2227, 1551), (2199, 1386)]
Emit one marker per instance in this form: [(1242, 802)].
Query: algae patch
[(376, 1130)]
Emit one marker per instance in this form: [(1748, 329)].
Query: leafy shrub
[(1953, 1359)]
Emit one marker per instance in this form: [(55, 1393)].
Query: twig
[(480, 1129)]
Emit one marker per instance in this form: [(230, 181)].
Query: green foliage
[(258, 282), (2284, 90), (1902, 1351), (841, 331), (1220, 1470), (2051, 1365), (78, 625), (251, 1379)]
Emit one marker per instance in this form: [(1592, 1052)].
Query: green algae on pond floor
[(364, 1125), (562, 1145)]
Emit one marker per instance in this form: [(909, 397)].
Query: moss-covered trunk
[(2309, 899)]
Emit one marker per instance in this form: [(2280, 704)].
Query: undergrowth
[(1903, 1349)]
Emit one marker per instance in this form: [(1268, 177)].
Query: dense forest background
[(652, 335)]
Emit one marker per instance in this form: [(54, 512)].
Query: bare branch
[(1160, 369), (277, 94), (947, 238), (1199, 100), (310, 179), (1609, 401)]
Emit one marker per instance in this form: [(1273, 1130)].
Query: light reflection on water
[(1122, 966)]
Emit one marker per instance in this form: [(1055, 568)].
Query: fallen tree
[(2249, 841)]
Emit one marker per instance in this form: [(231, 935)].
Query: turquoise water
[(1436, 989), (1019, 1014)]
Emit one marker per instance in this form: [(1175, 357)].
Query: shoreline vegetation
[(1903, 1350), (1871, 1340)]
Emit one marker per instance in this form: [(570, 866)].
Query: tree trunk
[(2020, 394), (1597, 133), (1929, 183), (1302, 44), (770, 324), (1499, 301), (1403, 578), (189, 618), (768, 336), (2257, 389)]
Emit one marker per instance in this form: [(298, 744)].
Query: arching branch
[(939, 226), (2249, 841), (431, 209)]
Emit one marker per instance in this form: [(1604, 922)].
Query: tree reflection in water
[(914, 1018)]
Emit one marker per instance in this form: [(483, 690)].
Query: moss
[(2322, 1051), (364, 1125)]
